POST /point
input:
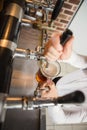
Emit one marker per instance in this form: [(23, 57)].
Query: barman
[(66, 113)]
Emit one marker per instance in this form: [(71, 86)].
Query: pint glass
[(48, 70)]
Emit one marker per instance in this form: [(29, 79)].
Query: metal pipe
[(9, 32), (21, 53), (32, 102), (26, 103), (29, 54), (36, 24)]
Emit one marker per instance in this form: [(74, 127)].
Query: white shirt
[(77, 60), (71, 113)]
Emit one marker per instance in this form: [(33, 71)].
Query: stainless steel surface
[(22, 120), (23, 78)]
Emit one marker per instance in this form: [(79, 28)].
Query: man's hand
[(55, 51), (51, 92)]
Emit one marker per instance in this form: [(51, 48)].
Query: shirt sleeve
[(77, 60), (70, 113), (60, 115), (56, 114)]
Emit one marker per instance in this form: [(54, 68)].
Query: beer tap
[(29, 103), (9, 32), (56, 11)]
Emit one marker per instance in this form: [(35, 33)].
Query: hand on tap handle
[(73, 97), (49, 70), (28, 103), (59, 47), (67, 34)]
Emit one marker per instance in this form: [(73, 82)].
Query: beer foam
[(51, 69)]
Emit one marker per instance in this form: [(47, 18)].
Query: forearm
[(77, 60)]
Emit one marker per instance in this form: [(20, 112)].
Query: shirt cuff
[(76, 60)]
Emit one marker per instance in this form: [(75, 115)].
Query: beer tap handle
[(56, 10), (65, 36)]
